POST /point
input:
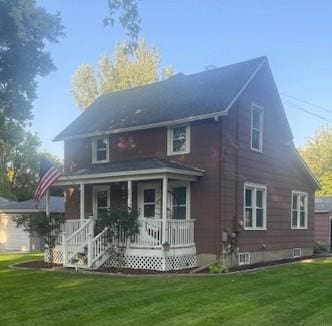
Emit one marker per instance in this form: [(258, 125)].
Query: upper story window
[(100, 150), (299, 210), (257, 128), (254, 207), (178, 140)]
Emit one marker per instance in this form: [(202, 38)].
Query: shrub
[(320, 248), (217, 268)]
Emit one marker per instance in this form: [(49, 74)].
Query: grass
[(298, 294)]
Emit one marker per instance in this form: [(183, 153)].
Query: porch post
[(164, 210), (130, 194), (47, 202), (82, 201)]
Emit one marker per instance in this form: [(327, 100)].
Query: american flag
[(48, 174)]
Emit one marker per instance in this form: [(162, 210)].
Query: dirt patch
[(38, 264), (267, 264), (130, 271)]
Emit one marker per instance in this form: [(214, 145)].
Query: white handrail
[(76, 241), (98, 246)]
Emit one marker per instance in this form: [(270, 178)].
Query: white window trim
[(170, 140), (255, 106), (94, 197), (94, 150), (247, 261), (300, 252), (298, 227), (255, 186), (186, 184)]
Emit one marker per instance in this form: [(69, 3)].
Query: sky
[(296, 36)]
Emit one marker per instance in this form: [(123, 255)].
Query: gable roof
[(57, 205), (323, 204), (178, 99)]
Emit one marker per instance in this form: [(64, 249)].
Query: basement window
[(100, 150), (297, 252), (244, 258)]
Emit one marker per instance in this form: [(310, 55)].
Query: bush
[(217, 268), (320, 248)]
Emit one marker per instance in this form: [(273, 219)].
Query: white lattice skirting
[(156, 263), (57, 256)]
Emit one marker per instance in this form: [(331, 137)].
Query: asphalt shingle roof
[(57, 205), (133, 165), (4, 201), (323, 203), (178, 97)]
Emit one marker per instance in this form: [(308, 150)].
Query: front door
[(149, 200), (101, 198)]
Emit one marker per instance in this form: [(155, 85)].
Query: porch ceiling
[(153, 168)]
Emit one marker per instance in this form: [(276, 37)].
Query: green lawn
[(299, 294)]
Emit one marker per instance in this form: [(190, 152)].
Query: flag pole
[(47, 202)]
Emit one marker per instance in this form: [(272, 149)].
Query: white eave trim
[(128, 175), (25, 210), (214, 115)]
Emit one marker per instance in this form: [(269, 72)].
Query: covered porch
[(160, 193)]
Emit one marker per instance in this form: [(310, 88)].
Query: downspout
[(220, 192), (235, 221)]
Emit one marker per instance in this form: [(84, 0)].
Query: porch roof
[(130, 170)]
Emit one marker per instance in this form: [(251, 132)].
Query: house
[(13, 238), (323, 225), (208, 161)]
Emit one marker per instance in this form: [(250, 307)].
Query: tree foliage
[(46, 227), (19, 165), (120, 71), (25, 28), (126, 13), (317, 153)]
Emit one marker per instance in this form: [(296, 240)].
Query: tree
[(128, 17), (317, 153), (122, 70), (19, 163), (25, 28), (46, 227)]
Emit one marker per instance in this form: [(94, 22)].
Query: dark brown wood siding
[(277, 168)]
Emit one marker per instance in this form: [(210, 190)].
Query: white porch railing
[(150, 233), (69, 227), (153, 233), (178, 233)]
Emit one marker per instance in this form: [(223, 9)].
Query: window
[(101, 198), (254, 207), (100, 150), (256, 128), (297, 252), (179, 203), (299, 210), (244, 258), (149, 204), (178, 140)]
